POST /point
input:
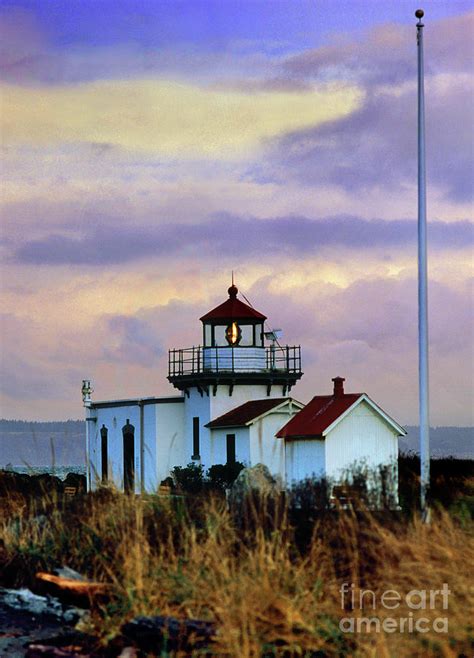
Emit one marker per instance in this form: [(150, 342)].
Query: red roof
[(318, 415), (245, 413), (233, 310)]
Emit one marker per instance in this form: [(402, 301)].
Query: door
[(230, 440), (104, 453), (128, 432)]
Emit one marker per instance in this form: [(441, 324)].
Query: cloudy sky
[(149, 148)]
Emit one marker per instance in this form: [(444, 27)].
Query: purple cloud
[(228, 235), (376, 145), (131, 340), (387, 54), (367, 333), (27, 373)]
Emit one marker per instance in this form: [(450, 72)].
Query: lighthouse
[(233, 405), (232, 367), (134, 444)]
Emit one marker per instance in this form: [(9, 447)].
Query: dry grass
[(190, 558)]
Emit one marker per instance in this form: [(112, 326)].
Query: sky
[(150, 148)]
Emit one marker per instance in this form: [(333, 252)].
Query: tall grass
[(268, 573), (247, 569)]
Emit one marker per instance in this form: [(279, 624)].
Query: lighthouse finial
[(233, 290)]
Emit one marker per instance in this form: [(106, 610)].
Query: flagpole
[(422, 284)]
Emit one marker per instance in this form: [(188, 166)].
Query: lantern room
[(233, 324), (234, 352)]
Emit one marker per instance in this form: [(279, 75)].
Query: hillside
[(444, 441), (61, 443)]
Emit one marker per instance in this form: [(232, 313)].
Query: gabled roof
[(324, 412), (233, 310), (248, 412)]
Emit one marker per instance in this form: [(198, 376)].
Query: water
[(59, 471)]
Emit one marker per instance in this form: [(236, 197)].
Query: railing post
[(199, 360), (287, 358)]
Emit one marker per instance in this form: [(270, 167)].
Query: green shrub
[(190, 478), (221, 476)]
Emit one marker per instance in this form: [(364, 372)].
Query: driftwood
[(161, 633), (49, 651), (73, 590)]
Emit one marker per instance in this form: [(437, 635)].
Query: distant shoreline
[(60, 472)]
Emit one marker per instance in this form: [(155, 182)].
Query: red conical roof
[(232, 310)]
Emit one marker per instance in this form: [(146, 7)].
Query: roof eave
[(363, 397), (255, 319), (276, 408), (285, 402)]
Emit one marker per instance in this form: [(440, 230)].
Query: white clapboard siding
[(361, 438), (305, 458)]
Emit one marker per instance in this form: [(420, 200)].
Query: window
[(207, 335), (233, 334), (196, 447), (220, 339), (104, 452), (230, 448), (247, 335), (258, 335), (128, 432)]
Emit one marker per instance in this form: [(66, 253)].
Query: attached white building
[(233, 405), (336, 435), (247, 433)]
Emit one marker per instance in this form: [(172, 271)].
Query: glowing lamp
[(233, 334)]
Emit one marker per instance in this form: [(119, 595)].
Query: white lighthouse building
[(233, 405), (135, 443)]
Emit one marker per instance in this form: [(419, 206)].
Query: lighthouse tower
[(233, 366)]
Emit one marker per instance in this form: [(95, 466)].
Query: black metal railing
[(208, 360)]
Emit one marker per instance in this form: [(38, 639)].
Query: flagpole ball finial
[(419, 13)]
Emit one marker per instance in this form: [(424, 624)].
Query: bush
[(451, 482), (190, 478), (221, 476)]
